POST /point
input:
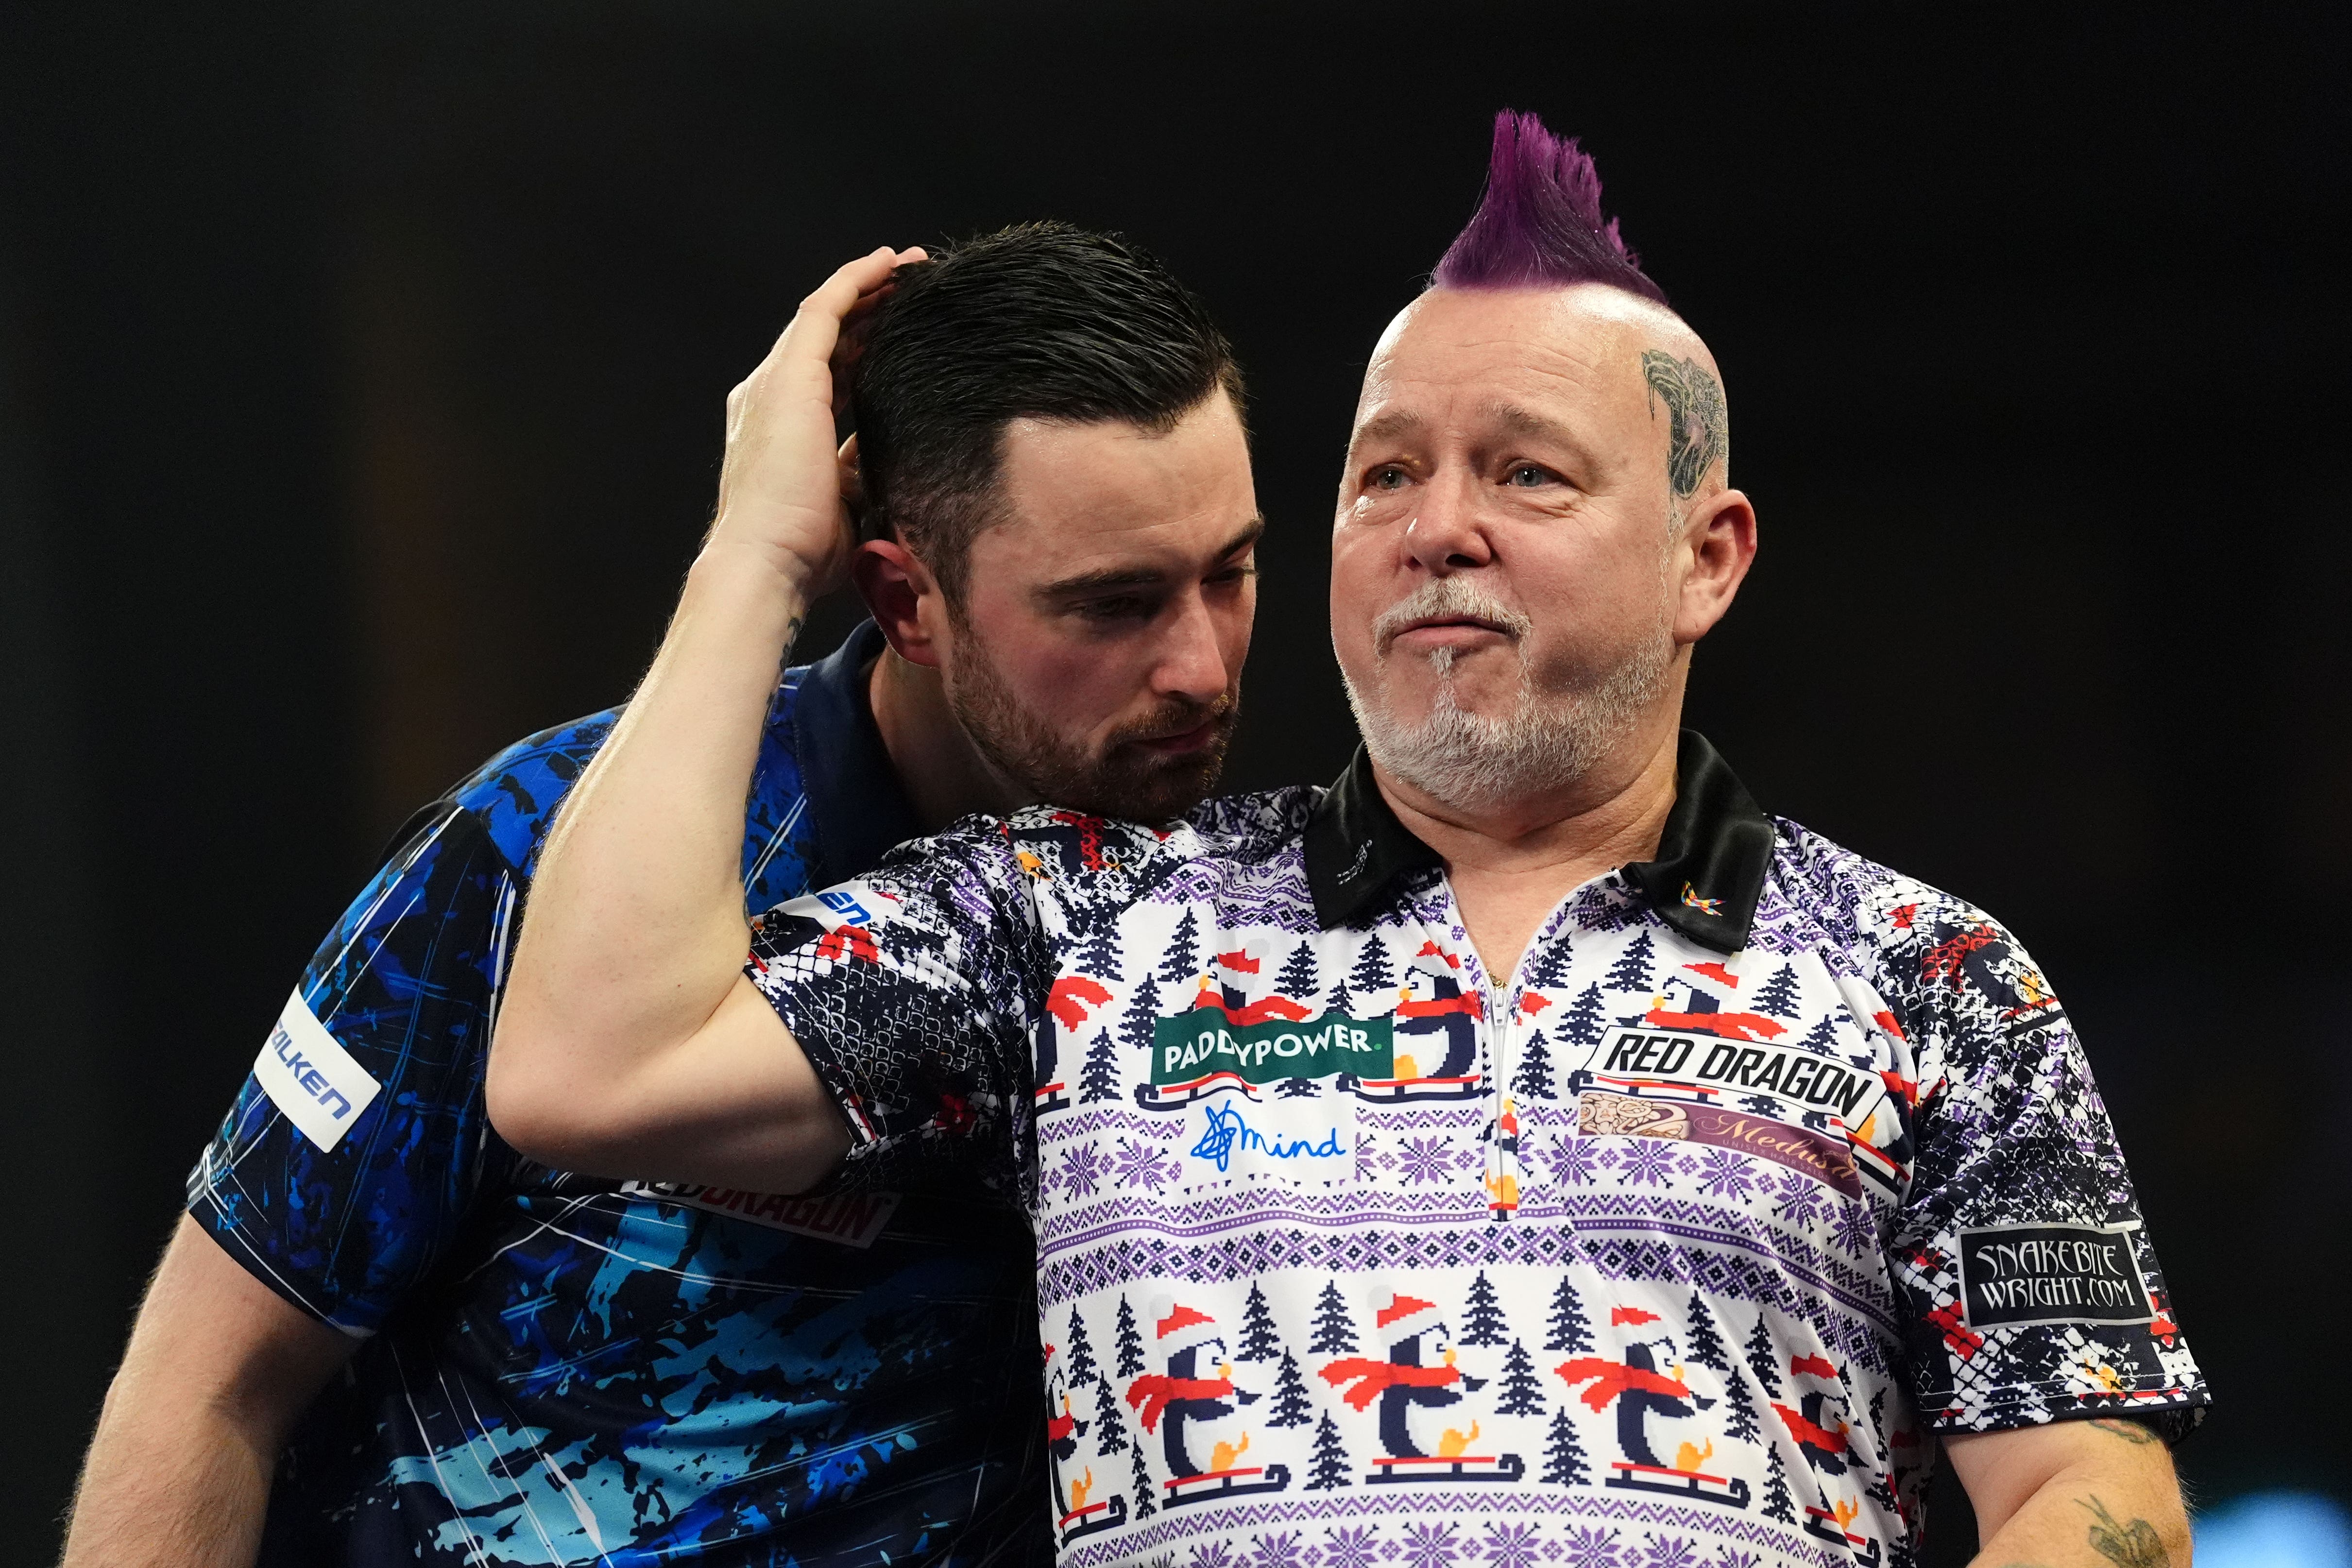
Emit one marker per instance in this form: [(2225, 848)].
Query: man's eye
[(1527, 476), (1123, 608), (1387, 476)]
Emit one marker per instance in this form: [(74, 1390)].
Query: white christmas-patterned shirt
[(1677, 1249)]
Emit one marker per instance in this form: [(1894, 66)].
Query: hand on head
[(780, 500)]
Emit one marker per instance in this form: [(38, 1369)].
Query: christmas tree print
[(1823, 1037), (1742, 1427), (1290, 1406), (1706, 1344), (1299, 1088), (1534, 1080), (1099, 958), (1373, 974), (1522, 1393), (1181, 966), (1300, 979), (1131, 1342), (1549, 971), (1776, 1487), (1563, 1455), (1632, 970), (1569, 1329), (1331, 1468), (1135, 1024), (1483, 1325), (1333, 1334), (1778, 997), (1082, 1352), (1763, 1358), (1110, 1427), (1259, 1341), (1144, 1487), (1098, 1079), (1584, 1023)]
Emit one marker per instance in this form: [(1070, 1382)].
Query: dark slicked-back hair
[(1539, 224), (1039, 321)]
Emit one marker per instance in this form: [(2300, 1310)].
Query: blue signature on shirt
[(1228, 1134)]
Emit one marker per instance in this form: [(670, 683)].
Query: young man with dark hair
[(1525, 1150), (521, 1364)]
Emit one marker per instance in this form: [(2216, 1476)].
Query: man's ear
[(895, 582), (1717, 547), (853, 483)]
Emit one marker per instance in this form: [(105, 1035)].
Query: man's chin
[(1141, 785)]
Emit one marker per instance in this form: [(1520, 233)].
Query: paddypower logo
[(1196, 1045)]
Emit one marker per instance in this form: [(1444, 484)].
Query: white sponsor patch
[(850, 904), (853, 1220), (1307, 1140), (311, 1078)]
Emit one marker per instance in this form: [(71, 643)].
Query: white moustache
[(1442, 598)]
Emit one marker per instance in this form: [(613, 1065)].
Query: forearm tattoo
[(1701, 432), (2132, 1431), (2133, 1545)]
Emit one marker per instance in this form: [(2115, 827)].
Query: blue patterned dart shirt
[(561, 1369)]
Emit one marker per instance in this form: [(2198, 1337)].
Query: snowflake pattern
[(1646, 1162), (1350, 1546), (1214, 1554), (1281, 1549), (1430, 1545), (1082, 1170), (1593, 1547), (1136, 1165), (1671, 1552), (1423, 1160), (1854, 1229), (1724, 1175), (1801, 1201), (1734, 1557), (1513, 1545), (1574, 1162)]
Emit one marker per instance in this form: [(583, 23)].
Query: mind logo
[(1304, 1142)]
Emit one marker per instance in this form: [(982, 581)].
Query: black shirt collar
[(858, 808), (1710, 869)]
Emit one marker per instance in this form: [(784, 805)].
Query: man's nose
[(1191, 660), (1445, 535)]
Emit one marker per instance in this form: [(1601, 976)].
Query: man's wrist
[(733, 571)]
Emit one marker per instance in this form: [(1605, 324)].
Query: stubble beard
[(1126, 780), (1549, 741)]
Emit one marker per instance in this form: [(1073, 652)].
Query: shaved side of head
[(1539, 225)]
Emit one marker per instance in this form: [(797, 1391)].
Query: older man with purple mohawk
[(1525, 1151)]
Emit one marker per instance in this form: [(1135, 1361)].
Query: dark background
[(361, 372)]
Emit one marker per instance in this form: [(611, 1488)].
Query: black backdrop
[(359, 385)]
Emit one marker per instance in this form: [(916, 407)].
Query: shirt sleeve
[(2034, 1291), (912, 990), (353, 1152)]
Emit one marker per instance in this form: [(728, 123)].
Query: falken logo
[(311, 1078)]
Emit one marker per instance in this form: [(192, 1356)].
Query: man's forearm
[(190, 1493), (2114, 1502), (636, 932), (611, 1036)]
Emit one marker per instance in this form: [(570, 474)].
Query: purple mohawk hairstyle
[(1539, 223)]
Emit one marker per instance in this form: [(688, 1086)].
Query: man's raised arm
[(628, 1042)]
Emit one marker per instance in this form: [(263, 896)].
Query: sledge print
[(1182, 1398), (1423, 1262)]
